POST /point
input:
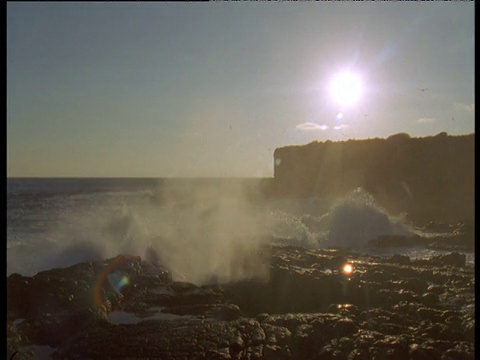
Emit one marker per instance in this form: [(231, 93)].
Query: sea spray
[(351, 221), (208, 233), (356, 219), (203, 232)]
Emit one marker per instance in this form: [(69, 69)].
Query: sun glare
[(346, 88)]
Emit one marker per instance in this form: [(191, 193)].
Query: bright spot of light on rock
[(347, 269)]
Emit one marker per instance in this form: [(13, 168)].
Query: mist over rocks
[(428, 178)]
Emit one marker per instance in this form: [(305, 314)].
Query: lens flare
[(117, 280), (111, 275), (347, 269)]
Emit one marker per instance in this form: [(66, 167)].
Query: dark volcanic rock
[(388, 308), (452, 259)]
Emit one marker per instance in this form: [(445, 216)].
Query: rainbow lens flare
[(113, 276)]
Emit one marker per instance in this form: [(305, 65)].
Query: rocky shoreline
[(310, 307)]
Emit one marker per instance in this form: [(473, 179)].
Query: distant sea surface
[(198, 227)]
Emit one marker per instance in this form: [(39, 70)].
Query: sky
[(172, 89)]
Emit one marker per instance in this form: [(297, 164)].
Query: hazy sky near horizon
[(211, 89)]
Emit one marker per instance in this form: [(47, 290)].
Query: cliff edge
[(429, 178)]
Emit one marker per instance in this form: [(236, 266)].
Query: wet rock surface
[(126, 308)]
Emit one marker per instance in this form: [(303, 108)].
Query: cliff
[(429, 178)]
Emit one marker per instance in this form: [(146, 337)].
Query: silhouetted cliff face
[(430, 178)]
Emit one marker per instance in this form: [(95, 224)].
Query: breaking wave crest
[(351, 221)]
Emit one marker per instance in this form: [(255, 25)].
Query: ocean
[(201, 229)]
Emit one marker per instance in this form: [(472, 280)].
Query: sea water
[(201, 229)]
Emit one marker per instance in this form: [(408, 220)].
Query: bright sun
[(346, 88)]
